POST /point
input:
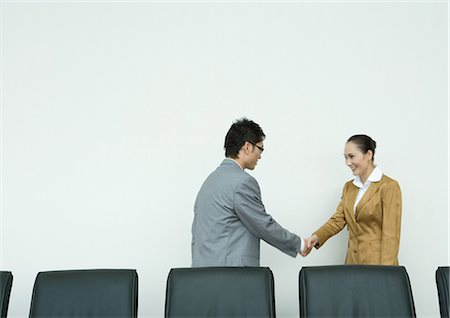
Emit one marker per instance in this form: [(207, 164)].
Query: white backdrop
[(113, 114)]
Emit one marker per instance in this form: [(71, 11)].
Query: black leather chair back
[(220, 292), (355, 291), (85, 293), (442, 282), (6, 279)]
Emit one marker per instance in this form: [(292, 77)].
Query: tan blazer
[(374, 230)]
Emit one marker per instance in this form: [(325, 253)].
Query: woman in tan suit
[(371, 207)]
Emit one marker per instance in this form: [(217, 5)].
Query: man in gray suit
[(229, 216)]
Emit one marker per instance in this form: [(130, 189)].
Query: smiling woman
[(371, 207), (115, 112), (359, 155)]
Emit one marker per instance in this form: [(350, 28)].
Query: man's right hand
[(310, 242)]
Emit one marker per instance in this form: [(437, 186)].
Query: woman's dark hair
[(364, 143), (241, 131)]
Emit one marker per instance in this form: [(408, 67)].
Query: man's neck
[(237, 161)]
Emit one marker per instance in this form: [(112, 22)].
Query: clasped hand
[(310, 242)]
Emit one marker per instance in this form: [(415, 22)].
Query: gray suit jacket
[(230, 220)]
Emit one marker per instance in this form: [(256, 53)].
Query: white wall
[(114, 113)]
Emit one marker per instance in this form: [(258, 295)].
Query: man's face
[(254, 154)]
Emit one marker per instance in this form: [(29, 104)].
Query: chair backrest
[(220, 292), (442, 282), (85, 293), (355, 291), (6, 279)]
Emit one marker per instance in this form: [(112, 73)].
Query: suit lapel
[(373, 188), (352, 193)]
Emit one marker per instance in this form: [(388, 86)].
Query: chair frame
[(51, 282), (216, 276), (6, 280), (443, 286)]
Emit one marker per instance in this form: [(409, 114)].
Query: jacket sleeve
[(251, 211), (391, 223), (334, 225)]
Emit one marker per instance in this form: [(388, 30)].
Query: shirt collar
[(375, 176), (235, 162)]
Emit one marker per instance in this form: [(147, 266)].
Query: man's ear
[(243, 150), (246, 147)]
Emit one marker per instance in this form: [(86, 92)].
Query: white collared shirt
[(375, 176)]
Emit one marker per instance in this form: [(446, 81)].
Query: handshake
[(310, 242)]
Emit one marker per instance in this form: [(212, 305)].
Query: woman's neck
[(367, 173)]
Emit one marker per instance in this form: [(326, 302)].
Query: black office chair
[(355, 291), (85, 293), (220, 292), (442, 282), (6, 279)]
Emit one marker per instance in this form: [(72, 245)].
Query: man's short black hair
[(241, 131)]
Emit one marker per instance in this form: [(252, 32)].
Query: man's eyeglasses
[(259, 147)]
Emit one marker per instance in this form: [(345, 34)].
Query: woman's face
[(360, 163)]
